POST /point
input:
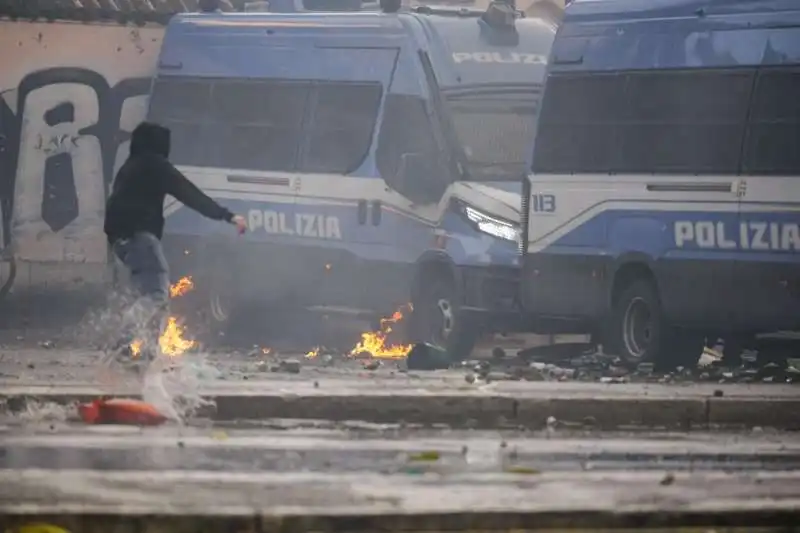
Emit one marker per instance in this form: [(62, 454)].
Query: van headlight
[(492, 225)]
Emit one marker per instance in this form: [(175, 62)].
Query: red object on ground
[(120, 411)]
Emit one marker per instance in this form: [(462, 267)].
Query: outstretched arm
[(189, 194)]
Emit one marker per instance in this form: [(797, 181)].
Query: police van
[(378, 159), (663, 203)]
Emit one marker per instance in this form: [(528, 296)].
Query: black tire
[(436, 320), (638, 332)]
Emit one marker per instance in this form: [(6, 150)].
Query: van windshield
[(494, 127)]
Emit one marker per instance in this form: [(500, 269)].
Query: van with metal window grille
[(378, 158), (663, 203)]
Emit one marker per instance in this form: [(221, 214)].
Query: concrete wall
[(71, 93)]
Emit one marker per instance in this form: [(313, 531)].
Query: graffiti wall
[(71, 94)]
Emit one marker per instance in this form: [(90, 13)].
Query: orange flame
[(172, 341), (181, 287), (376, 342)]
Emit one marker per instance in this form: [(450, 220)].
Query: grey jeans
[(144, 319)]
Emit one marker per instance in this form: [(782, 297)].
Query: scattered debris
[(372, 364), (668, 479), (425, 456), (289, 366), (427, 357), (517, 469), (613, 379)]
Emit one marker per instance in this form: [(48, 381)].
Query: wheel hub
[(638, 328), (446, 316), (219, 309)]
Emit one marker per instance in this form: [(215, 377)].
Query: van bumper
[(491, 298)]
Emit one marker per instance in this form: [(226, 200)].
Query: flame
[(181, 287), (172, 341), (375, 342), (136, 348), (313, 353)]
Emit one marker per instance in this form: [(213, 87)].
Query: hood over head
[(149, 137)]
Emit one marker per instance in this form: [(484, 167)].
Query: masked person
[(134, 223)]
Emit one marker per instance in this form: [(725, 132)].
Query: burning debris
[(172, 341), (314, 353), (181, 287), (377, 343)]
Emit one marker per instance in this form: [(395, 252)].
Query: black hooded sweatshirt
[(136, 203)]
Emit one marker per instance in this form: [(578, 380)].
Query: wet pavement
[(387, 450), (319, 469), (372, 478)]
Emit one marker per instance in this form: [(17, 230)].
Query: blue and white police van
[(378, 158), (663, 203)]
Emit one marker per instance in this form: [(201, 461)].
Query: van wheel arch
[(628, 272), (433, 265)]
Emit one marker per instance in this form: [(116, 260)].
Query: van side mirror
[(423, 176)]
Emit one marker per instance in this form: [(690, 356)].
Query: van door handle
[(709, 186), (376, 212), (362, 212)]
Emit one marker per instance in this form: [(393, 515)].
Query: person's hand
[(240, 223)]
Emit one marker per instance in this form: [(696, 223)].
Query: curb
[(484, 412), (576, 521)]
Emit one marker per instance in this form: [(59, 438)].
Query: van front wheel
[(437, 320)]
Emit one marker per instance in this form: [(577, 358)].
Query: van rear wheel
[(638, 332)]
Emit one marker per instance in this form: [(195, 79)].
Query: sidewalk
[(445, 398)]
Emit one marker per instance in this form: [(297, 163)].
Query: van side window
[(183, 107), (773, 133), (684, 121), (405, 129), (258, 124), (341, 128), (578, 123), (643, 122)]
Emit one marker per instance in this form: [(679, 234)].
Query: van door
[(686, 128), (340, 195), (338, 155), (237, 139), (768, 269)]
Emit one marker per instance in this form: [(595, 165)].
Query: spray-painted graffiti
[(61, 146), (70, 97)]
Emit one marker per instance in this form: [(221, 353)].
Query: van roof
[(608, 10), (463, 50), (614, 35), (348, 22)]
